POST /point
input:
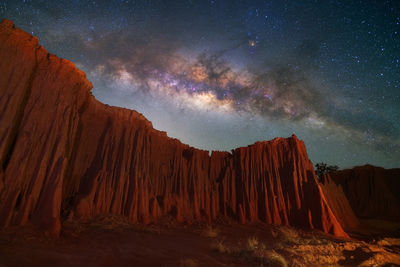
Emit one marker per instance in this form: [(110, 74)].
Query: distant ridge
[(373, 192)]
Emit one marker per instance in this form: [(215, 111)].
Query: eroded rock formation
[(64, 154), (372, 192), (338, 202)]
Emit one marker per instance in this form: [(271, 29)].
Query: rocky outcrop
[(373, 192), (338, 202), (64, 154)]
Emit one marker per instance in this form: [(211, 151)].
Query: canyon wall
[(338, 202), (373, 192), (64, 155)]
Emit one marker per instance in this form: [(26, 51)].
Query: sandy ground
[(111, 241)]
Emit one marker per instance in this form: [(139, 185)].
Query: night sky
[(222, 74)]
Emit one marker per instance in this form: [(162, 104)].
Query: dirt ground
[(111, 241)]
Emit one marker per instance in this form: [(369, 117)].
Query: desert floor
[(112, 241)]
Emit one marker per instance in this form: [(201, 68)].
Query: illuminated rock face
[(373, 192), (338, 202), (64, 154)]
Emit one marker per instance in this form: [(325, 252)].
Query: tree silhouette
[(323, 168)]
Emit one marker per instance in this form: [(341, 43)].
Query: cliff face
[(338, 202), (64, 154), (373, 192)]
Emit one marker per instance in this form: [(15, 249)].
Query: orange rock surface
[(338, 202), (373, 192), (63, 154)]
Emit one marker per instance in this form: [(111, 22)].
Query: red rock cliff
[(63, 153), (373, 192), (338, 202)]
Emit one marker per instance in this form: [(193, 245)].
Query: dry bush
[(255, 252), (289, 235), (267, 258), (211, 232), (220, 247), (272, 258), (253, 244)]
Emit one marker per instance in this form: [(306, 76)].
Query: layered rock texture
[(373, 192), (338, 202), (63, 154)]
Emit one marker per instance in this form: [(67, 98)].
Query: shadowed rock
[(372, 192)]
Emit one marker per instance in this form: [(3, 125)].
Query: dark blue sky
[(222, 74)]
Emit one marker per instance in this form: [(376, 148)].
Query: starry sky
[(221, 74)]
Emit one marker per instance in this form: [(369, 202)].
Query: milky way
[(223, 74)]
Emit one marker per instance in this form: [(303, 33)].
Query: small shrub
[(211, 232), (272, 258), (254, 244), (220, 247), (289, 235)]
